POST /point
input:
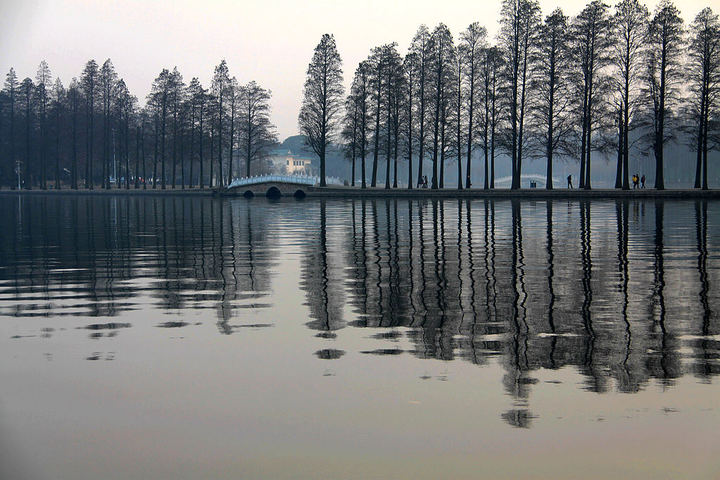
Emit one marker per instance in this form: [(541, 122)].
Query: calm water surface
[(188, 338)]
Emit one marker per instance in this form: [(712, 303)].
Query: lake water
[(164, 337)]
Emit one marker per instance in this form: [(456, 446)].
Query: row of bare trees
[(610, 79), (95, 133)]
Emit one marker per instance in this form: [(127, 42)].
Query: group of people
[(637, 179), (638, 182)]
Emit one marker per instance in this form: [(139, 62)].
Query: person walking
[(635, 180), (569, 179), (642, 181)]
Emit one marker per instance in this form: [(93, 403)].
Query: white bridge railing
[(293, 179)]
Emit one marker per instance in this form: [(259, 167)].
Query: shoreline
[(419, 193)]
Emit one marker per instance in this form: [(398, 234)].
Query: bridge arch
[(248, 194), (299, 194), (273, 192)]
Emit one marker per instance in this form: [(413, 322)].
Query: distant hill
[(294, 144)]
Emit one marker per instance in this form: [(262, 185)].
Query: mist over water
[(179, 337)]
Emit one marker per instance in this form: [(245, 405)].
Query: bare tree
[(349, 133), (470, 53), (591, 41), (43, 82), (12, 90), (107, 80), (704, 76), (630, 27), (220, 90), (232, 96), (89, 80), (322, 99), (256, 133), (58, 110), (663, 75), (518, 25), (176, 97), (552, 103), (377, 63), (421, 48), (491, 69), (360, 95), (27, 88), (410, 69), (442, 73), (394, 81), (73, 93), (197, 98), (160, 98)]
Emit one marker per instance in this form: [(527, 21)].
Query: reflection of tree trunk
[(517, 281), (621, 213), (439, 247), (706, 368), (492, 278), (659, 289), (251, 250), (223, 313), (471, 275), (585, 234), (391, 283), (411, 267), (701, 226), (377, 268), (551, 266), (397, 296), (324, 267), (363, 225), (423, 280)]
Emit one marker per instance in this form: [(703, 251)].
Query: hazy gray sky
[(269, 41)]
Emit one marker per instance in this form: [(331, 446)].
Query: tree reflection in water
[(622, 291)]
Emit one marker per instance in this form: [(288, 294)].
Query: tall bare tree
[(394, 80), (12, 90), (518, 26), (491, 69), (360, 97), (411, 69), (442, 73), (43, 83), (630, 32), (662, 77), (27, 88), (552, 103), (320, 113), (58, 112), (176, 99), (421, 47), (704, 76), (232, 96), (591, 42), (470, 52), (160, 99), (89, 82), (256, 133), (107, 81), (73, 93), (220, 90)]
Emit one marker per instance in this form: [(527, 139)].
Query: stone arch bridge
[(273, 186)]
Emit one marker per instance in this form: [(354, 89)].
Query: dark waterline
[(620, 294)]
